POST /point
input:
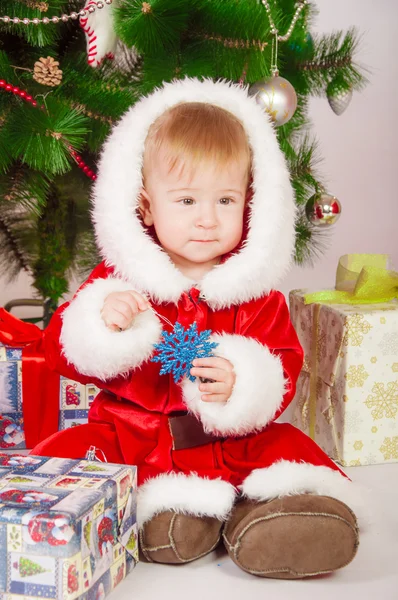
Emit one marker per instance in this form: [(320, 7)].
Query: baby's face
[(198, 217)]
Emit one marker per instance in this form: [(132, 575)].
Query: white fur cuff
[(94, 349), (286, 478), (257, 394), (184, 494)]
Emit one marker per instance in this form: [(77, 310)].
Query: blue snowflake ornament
[(180, 347)]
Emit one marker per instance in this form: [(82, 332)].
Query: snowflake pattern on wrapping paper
[(321, 346), (180, 347), (356, 326), (353, 421), (389, 344), (356, 376), (370, 459), (384, 402), (389, 449)]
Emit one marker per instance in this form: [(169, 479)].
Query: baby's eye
[(225, 200), (187, 201)]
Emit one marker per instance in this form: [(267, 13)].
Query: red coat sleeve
[(81, 346), (266, 356), (54, 355), (267, 320)]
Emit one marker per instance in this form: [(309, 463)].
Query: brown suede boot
[(171, 537), (291, 537)]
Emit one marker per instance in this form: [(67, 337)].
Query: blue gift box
[(67, 527)]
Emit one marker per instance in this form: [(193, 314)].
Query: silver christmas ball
[(323, 209), (339, 96), (277, 97)]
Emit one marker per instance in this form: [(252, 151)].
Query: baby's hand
[(222, 375), (120, 309)]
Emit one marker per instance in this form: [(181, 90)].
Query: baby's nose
[(207, 217)]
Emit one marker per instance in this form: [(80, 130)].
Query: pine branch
[(230, 42), (331, 56), (102, 90), (10, 251), (53, 258), (35, 35), (330, 62), (35, 4), (42, 139), (81, 108), (154, 27), (311, 242)]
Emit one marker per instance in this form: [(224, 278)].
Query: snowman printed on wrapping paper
[(11, 434), (31, 497), (16, 460), (54, 530)]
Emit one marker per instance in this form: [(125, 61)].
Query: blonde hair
[(192, 134)]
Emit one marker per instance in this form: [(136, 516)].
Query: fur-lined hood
[(127, 247)]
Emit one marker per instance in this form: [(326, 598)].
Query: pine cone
[(46, 71)]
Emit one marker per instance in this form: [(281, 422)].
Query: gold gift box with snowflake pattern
[(347, 392)]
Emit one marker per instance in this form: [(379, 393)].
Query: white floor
[(373, 573)]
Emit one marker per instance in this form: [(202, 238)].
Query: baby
[(194, 196), (194, 215)]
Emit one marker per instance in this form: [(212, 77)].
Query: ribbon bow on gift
[(360, 279), (40, 385)]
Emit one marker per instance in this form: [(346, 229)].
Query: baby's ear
[(144, 207)]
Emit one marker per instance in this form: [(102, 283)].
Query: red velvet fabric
[(136, 431)]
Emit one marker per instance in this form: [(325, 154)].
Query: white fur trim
[(184, 494), (256, 396), (124, 243), (286, 478), (94, 349)]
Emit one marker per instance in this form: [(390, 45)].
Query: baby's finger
[(115, 328), (213, 362), (127, 301), (215, 374), (127, 309), (214, 398), (142, 302), (116, 321), (214, 388)]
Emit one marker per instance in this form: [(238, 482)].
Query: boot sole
[(294, 545)]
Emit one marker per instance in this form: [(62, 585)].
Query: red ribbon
[(40, 385)]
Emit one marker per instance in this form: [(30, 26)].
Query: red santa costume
[(130, 420)]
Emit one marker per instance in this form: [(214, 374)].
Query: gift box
[(75, 400), (67, 527), (347, 392), (28, 388)]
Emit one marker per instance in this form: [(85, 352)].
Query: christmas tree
[(93, 468), (27, 567), (58, 102), (87, 532)]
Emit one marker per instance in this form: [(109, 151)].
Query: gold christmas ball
[(277, 97), (323, 209)]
